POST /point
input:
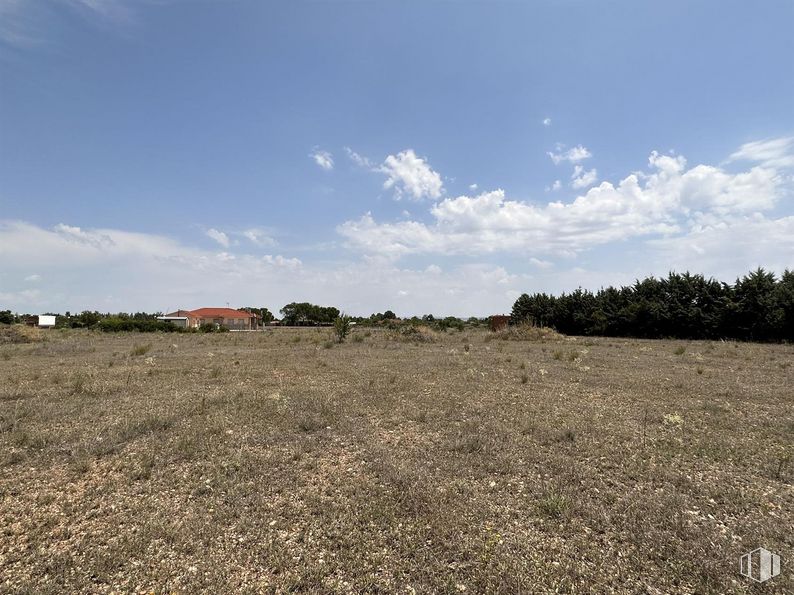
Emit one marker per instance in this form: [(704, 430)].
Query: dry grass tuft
[(19, 333), (414, 334), (525, 332), (139, 350)]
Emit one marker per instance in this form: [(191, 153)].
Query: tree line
[(757, 307)]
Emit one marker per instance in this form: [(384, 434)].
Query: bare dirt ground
[(276, 462)]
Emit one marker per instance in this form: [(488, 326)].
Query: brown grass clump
[(525, 332), (19, 333), (414, 334)]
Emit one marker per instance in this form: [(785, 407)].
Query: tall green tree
[(681, 305)]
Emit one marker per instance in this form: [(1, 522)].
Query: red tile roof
[(178, 314), (221, 313)]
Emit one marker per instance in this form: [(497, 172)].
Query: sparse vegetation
[(341, 328), (271, 464), (414, 334), (18, 333), (139, 350), (554, 505), (524, 332)]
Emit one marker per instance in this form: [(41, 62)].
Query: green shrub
[(341, 328), (210, 327), (114, 324)]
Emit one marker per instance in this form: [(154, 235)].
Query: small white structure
[(46, 321)]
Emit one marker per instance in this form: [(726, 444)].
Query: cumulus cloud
[(665, 201), (111, 269), (219, 237), (572, 155), (702, 218), (323, 158), (547, 122), (115, 270), (33, 278), (409, 174), (583, 179), (727, 247)]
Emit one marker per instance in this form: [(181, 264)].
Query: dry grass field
[(277, 462)]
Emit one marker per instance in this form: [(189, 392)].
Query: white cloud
[(32, 278), (359, 160), (219, 237), (556, 185), (25, 297), (17, 24), (541, 264), (728, 248), (111, 270), (23, 23), (583, 179), (114, 270), (573, 155), (665, 201), (473, 187), (258, 237), (776, 152), (323, 158), (114, 10), (701, 218), (547, 121), (407, 173)]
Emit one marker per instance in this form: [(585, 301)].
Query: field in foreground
[(274, 462)]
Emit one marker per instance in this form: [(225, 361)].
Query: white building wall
[(46, 320)]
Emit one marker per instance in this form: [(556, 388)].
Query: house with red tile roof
[(234, 320)]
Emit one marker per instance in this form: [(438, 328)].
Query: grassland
[(280, 461)]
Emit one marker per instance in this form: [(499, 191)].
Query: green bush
[(341, 328), (209, 327), (115, 325)]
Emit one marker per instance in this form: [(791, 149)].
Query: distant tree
[(784, 296), (306, 314), (341, 327), (7, 317), (758, 313), (687, 306), (86, 319), (264, 313)]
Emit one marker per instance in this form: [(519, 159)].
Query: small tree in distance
[(341, 327)]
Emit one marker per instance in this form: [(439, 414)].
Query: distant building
[(235, 320), (41, 321), (182, 318)]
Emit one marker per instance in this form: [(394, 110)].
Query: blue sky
[(419, 156)]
